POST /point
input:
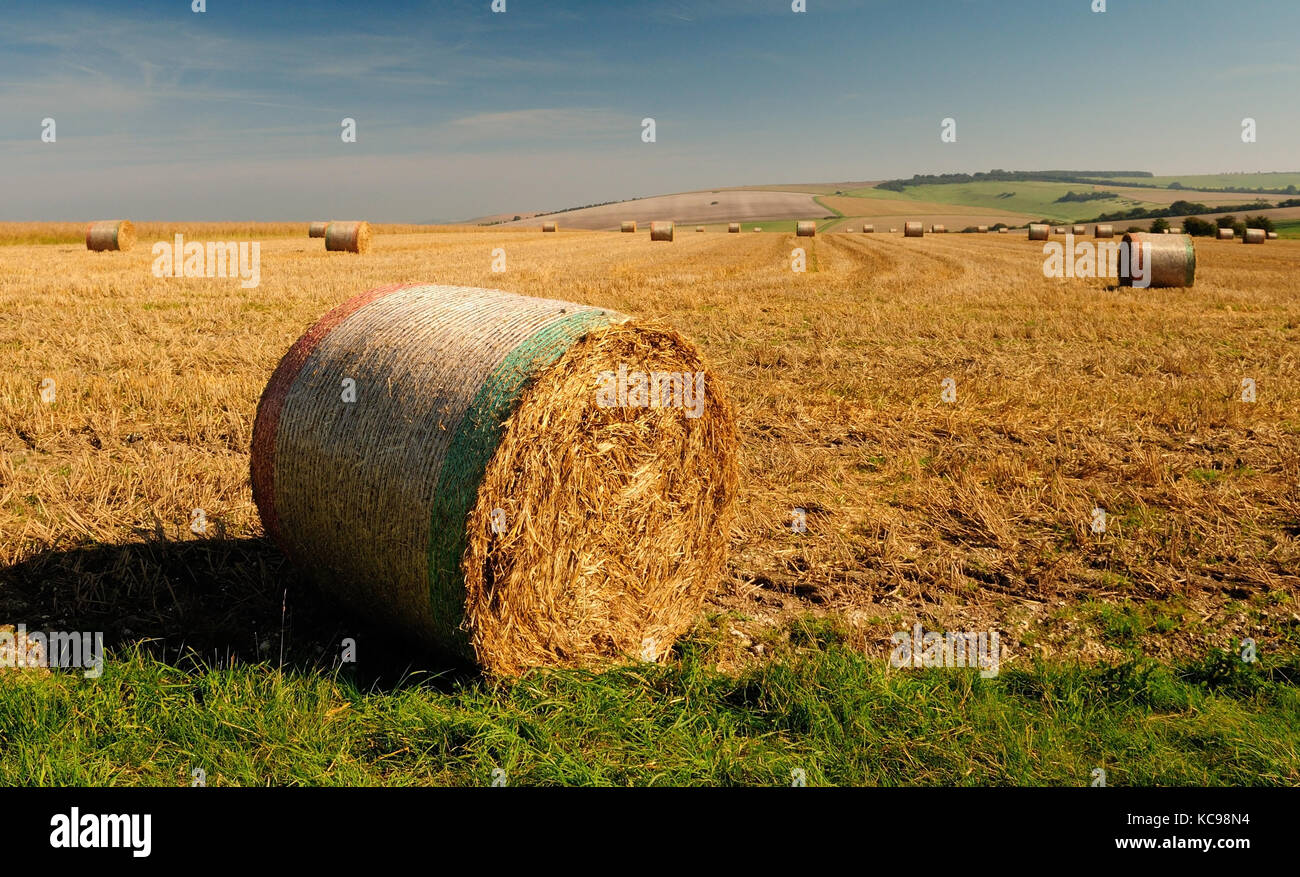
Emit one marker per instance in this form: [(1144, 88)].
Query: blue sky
[(235, 113)]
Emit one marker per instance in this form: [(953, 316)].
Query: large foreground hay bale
[(349, 237), (1226, 234), (549, 225), (805, 228), (1103, 231), (913, 230), (733, 228), (110, 234), (627, 226), (316, 229), (1254, 236), (661, 231), (1172, 259), (868, 229), (491, 491), (1038, 231)]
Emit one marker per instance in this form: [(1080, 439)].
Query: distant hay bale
[(1226, 234), (627, 226), (1174, 230), (661, 231), (699, 228), (733, 228), (110, 234), (316, 229), (982, 229), (349, 237), (521, 482), (1254, 236), (1003, 230), (1272, 235), (1038, 231), (1060, 229), (1172, 259), (1079, 230), (913, 230), (893, 231), (1103, 231), (868, 229), (805, 228), (549, 226), (757, 228)]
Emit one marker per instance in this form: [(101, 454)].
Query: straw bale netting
[(481, 496), (349, 237), (110, 234), (733, 228), (805, 228), (627, 226), (913, 230), (549, 226), (1254, 236), (1172, 259), (1103, 231), (661, 231), (868, 229), (1226, 234), (316, 229), (1038, 231)]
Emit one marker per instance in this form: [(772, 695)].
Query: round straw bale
[(110, 234), (1272, 236), (699, 228), (1003, 230), (350, 237), (1226, 234), (1172, 259), (868, 229), (1254, 236), (519, 481), (733, 228), (549, 226), (316, 229), (939, 229), (1060, 229), (1038, 231), (913, 230), (982, 229), (627, 226), (661, 231), (1103, 231), (805, 228), (894, 230), (1079, 230), (758, 228)]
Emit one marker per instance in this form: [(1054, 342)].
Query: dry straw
[(1254, 236), (549, 226), (1225, 234), (913, 230), (110, 234), (733, 228), (1038, 231), (805, 228), (627, 226), (316, 229), (1103, 231), (868, 229), (661, 231), (1172, 259), (349, 237), (480, 495)]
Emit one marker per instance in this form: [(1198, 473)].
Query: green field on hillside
[(1223, 181), (1033, 198), (1287, 228)]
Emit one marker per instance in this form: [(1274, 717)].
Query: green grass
[(1289, 228), (1033, 198), (1223, 181), (818, 706)]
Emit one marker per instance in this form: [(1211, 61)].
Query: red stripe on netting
[(266, 425)]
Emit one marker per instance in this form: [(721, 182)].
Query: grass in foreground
[(819, 707)]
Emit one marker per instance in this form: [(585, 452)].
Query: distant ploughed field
[(975, 514)]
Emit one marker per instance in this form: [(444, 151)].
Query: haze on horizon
[(235, 113)]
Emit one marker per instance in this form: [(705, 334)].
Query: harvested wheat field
[(1070, 396)]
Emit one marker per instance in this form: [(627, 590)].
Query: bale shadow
[(213, 603)]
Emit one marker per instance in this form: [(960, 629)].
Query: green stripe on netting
[(1189, 275), (475, 441)]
